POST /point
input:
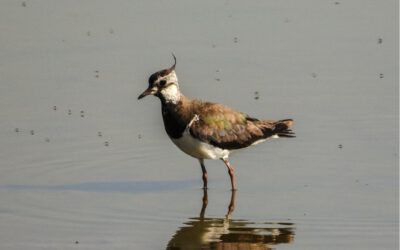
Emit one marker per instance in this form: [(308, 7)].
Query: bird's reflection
[(226, 233)]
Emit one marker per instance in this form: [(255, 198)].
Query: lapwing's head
[(164, 85)]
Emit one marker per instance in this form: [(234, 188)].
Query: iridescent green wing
[(224, 127)]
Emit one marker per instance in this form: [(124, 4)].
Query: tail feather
[(282, 128)]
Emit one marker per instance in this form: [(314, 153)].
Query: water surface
[(85, 165)]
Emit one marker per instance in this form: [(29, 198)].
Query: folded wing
[(229, 129)]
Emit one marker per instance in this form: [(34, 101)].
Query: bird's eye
[(162, 83)]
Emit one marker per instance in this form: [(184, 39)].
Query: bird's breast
[(176, 123)]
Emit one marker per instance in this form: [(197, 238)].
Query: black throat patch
[(174, 122)]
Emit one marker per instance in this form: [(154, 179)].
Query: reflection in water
[(226, 233)]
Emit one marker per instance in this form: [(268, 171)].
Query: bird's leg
[(204, 170), (231, 172), (204, 205), (231, 206)]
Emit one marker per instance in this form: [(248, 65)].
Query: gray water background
[(85, 165)]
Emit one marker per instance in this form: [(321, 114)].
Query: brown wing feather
[(229, 129)]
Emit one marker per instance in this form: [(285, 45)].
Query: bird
[(208, 130)]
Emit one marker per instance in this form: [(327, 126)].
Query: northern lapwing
[(206, 130)]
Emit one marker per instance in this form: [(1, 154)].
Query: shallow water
[(86, 165)]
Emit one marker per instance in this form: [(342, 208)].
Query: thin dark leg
[(204, 205), (231, 206), (231, 172), (204, 170)]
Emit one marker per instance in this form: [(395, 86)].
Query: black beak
[(146, 93)]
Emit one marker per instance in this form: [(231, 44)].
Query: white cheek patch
[(171, 93)]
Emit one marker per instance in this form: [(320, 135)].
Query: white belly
[(198, 149)]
